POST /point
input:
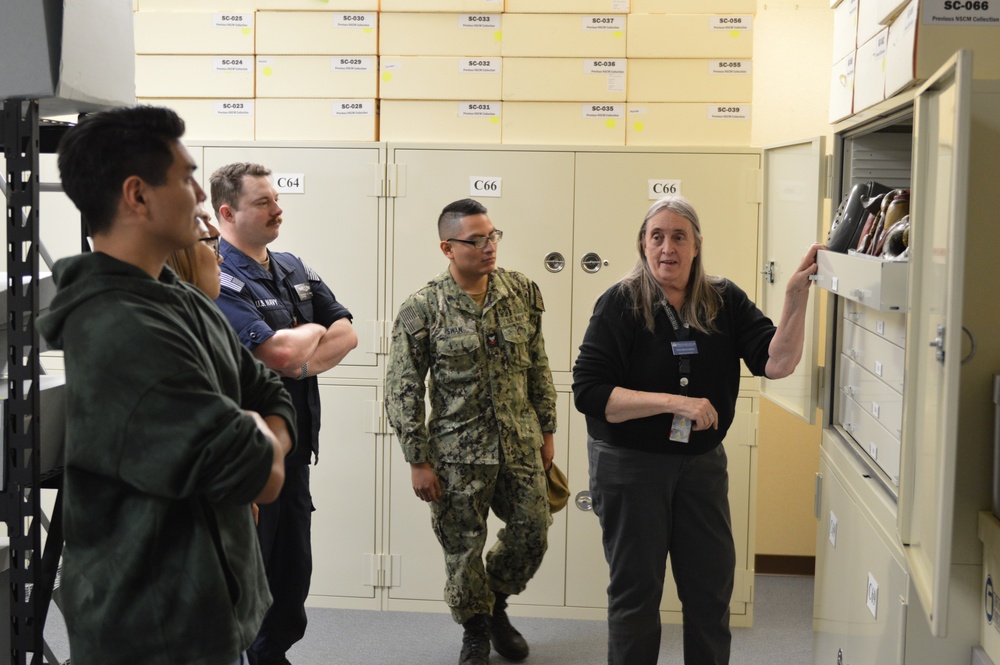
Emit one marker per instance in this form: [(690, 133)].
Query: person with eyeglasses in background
[(476, 330), (199, 264)]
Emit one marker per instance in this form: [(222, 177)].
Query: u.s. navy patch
[(537, 292)]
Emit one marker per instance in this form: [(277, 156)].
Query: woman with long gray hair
[(657, 377)]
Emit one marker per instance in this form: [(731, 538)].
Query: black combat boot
[(506, 640), (475, 642)]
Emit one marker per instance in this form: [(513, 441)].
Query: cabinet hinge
[(755, 186), (379, 421), (395, 183), (818, 496), (753, 423), (828, 176), (384, 570), (383, 336)]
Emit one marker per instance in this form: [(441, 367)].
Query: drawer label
[(354, 20), (728, 111), (242, 107), (960, 12), (479, 65), (613, 23), (352, 64), (743, 22), (609, 111), (491, 21), (872, 600), (353, 107), (232, 20), (232, 64), (479, 109), (729, 67)]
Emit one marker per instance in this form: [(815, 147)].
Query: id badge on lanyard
[(683, 349)]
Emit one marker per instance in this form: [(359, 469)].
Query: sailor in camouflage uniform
[(477, 330)]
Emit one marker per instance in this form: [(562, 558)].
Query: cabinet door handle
[(584, 501), (555, 262), (592, 262)]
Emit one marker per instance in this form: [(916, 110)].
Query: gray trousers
[(650, 505)]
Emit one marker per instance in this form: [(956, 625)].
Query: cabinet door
[(613, 192), (345, 488), (332, 221), (530, 199), (421, 560), (934, 332), (792, 212)]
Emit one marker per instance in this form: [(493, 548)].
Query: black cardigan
[(618, 350)]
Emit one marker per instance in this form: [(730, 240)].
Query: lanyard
[(682, 348)]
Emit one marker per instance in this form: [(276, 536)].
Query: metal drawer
[(871, 436), (876, 354), (872, 393), (890, 325)]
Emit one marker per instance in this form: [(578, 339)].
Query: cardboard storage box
[(919, 44), (194, 76), (440, 121), (690, 80), (845, 29), (565, 79), (178, 33), (869, 72), (317, 33), (564, 35), (440, 77), (567, 6), (73, 56), (564, 123), (842, 89), (317, 76), (690, 36), (212, 119), (440, 34), (320, 5), (316, 120), (688, 124), (694, 6), (485, 6)]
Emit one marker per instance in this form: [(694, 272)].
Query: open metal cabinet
[(906, 384)]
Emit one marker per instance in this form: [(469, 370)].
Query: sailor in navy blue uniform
[(291, 321)]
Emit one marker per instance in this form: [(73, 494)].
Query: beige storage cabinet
[(440, 121), (564, 79), (194, 32), (316, 120), (690, 36), (567, 6), (472, 35), (317, 76), (212, 119), (690, 80), (486, 6), (919, 44), (576, 194), (317, 33), (564, 123), (194, 76), (688, 124), (564, 35), (440, 77)]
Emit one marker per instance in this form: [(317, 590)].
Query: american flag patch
[(231, 283)]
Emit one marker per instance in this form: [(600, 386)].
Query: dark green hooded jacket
[(161, 564)]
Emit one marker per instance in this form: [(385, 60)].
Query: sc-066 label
[(960, 12), (482, 185), (660, 188), (741, 22)]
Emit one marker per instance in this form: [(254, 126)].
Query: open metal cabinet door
[(792, 216), (934, 332)]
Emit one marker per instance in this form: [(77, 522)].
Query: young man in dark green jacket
[(173, 428)]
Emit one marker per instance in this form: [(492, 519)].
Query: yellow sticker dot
[(639, 126), (610, 123), (494, 119), (497, 36), (387, 76), (618, 33), (247, 31), (367, 30), (735, 34), (267, 71)]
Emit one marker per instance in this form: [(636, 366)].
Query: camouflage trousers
[(517, 494)]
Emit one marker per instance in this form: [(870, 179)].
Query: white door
[(934, 332), (792, 214), (333, 221)]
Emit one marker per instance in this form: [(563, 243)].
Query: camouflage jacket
[(490, 385)]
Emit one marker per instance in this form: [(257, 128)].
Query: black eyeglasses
[(213, 242), (479, 243)]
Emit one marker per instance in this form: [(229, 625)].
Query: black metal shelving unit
[(32, 571)]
